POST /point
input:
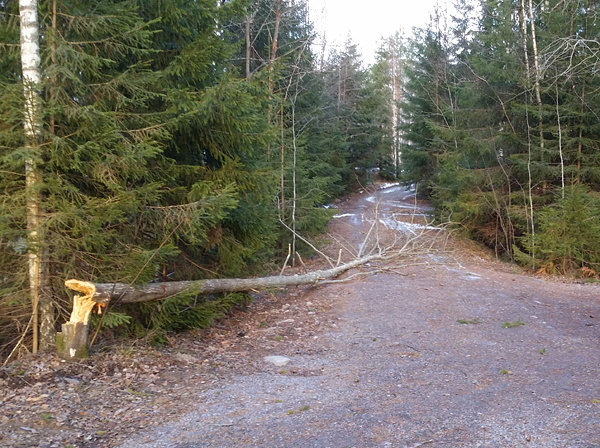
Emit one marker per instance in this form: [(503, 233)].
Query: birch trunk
[(30, 65)]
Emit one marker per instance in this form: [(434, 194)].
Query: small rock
[(184, 357), (277, 360)]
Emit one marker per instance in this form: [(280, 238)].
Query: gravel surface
[(444, 349), (451, 353)]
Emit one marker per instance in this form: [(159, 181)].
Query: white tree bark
[(30, 65)]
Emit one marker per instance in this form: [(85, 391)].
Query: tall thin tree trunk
[(580, 140), (282, 161), (272, 58), (276, 30), (523, 18), (538, 95), (582, 107), (30, 64), (248, 45), (395, 84), (560, 149), (46, 304), (294, 163)]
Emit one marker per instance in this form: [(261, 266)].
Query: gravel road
[(456, 350)]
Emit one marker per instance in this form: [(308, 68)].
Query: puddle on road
[(388, 186)]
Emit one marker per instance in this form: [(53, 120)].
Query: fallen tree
[(72, 341), (103, 293)]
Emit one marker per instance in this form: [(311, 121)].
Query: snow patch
[(343, 215), (277, 360), (398, 188), (472, 276), (405, 227)]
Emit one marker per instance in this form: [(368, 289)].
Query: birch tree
[(32, 78)]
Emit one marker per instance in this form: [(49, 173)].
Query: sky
[(366, 21)]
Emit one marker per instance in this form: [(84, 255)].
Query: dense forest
[(181, 140), (501, 127)]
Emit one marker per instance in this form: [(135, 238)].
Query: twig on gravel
[(422, 443)]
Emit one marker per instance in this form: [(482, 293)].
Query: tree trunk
[(523, 18), (103, 293), (30, 65), (72, 342), (272, 57), (276, 31), (248, 45), (538, 95)]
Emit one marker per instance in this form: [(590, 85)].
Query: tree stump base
[(72, 341)]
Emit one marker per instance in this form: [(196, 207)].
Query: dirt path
[(413, 356), (411, 360)]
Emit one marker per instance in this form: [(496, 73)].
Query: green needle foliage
[(502, 135), (162, 159)]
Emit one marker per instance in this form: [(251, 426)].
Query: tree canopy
[(176, 139)]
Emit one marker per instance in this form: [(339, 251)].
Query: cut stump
[(72, 341)]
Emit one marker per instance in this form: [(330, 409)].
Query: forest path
[(409, 359)]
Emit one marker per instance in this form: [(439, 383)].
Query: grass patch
[(516, 323), (46, 417), (302, 409), (468, 322)]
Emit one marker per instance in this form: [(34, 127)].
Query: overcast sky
[(366, 21)]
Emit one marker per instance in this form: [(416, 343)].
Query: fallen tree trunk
[(103, 293), (72, 342)]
